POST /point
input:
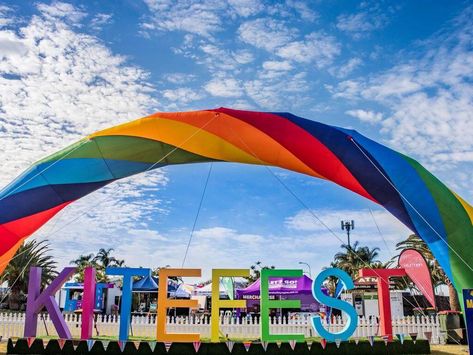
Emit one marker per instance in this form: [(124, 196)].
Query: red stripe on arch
[(303, 145), (14, 231)]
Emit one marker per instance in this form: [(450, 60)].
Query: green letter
[(266, 304)]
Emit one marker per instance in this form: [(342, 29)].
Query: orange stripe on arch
[(191, 138), (244, 136)]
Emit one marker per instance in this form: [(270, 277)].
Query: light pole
[(348, 226), (310, 271)]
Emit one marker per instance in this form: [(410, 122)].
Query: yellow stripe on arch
[(244, 136), (468, 208), (185, 136)]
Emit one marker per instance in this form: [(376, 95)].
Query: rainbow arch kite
[(399, 183)]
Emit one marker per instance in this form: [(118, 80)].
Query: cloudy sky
[(399, 72)]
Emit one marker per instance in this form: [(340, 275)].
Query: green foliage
[(97, 349), (82, 348), (346, 348), (181, 348), (129, 348), (21, 347), (160, 349), (52, 348), (30, 253), (100, 262), (113, 348), (144, 348), (10, 347)]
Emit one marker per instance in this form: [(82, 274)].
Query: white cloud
[(6, 18), (224, 87), (246, 8), (366, 116), (61, 10), (345, 69), (428, 99), (366, 227), (182, 95), (278, 66), (56, 86), (201, 18), (179, 78), (361, 24), (265, 33), (100, 20), (316, 47)]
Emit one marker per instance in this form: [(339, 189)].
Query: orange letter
[(164, 303)]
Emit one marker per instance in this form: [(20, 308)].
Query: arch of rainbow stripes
[(400, 184)]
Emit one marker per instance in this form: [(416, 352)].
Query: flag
[(371, 339), (400, 337), (90, 343), (323, 342), (247, 345), (428, 336), (30, 341), (413, 337), (227, 283), (196, 345), (152, 345), (121, 344), (337, 342), (61, 343), (105, 344), (292, 343), (230, 345), (167, 345), (264, 344)]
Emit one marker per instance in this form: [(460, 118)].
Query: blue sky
[(399, 72)]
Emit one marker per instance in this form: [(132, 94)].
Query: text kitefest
[(38, 300)]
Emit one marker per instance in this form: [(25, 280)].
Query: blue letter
[(125, 308), (352, 320)]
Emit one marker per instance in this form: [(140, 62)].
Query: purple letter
[(88, 300), (37, 300)]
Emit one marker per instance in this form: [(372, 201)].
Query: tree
[(99, 261), (255, 271), (438, 274), (354, 258), (83, 261), (31, 253)]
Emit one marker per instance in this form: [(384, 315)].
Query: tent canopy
[(150, 284), (280, 286)]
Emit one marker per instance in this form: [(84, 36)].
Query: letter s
[(352, 321)]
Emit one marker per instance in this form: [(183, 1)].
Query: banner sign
[(417, 269), (468, 306)]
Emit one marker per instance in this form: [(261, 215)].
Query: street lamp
[(310, 271), (348, 226)]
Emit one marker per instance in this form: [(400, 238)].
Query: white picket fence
[(12, 325)]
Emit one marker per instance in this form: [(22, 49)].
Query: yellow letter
[(217, 303), (164, 303)]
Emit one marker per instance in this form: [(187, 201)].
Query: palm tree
[(354, 258), (104, 258), (255, 271), (438, 275), (31, 253), (83, 261)]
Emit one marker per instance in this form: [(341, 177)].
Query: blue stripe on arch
[(38, 199), (413, 188), (72, 171), (337, 141)]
